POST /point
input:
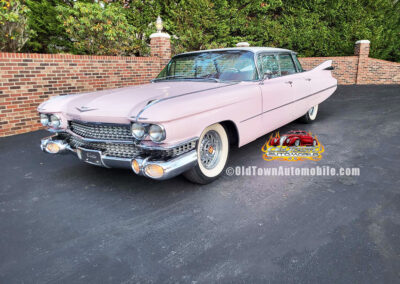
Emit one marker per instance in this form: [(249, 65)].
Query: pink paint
[(186, 108)]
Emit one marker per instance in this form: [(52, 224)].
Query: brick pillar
[(362, 51), (160, 46)]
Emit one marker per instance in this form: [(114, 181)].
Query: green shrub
[(98, 30), (14, 29)]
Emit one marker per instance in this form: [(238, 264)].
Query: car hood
[(120, 105)]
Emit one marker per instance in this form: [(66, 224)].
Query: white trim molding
[(362, 41), (243, 44), (165, 35)]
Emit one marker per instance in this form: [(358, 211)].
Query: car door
[(278, 89), (294, 76), (291, 76)]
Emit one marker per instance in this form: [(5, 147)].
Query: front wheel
[(311, 115), (212, 155)]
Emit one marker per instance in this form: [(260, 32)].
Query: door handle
[(289, 82), (308, 79)]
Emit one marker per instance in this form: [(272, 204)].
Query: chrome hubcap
[(210, 149)]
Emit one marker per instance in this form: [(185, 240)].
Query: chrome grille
[(101, 131), (119, 150), (122, 150), (183, 148)]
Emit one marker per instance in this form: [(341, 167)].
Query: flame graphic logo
[(279, 152)]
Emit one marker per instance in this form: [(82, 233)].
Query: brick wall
[(380, 72), (161, 47), (345, 67), (29, 79), (360, 68)]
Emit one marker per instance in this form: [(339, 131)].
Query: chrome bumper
[(171, 168)]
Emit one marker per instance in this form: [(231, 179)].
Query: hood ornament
[(85, 108)]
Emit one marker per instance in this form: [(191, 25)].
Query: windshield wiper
[(170, 77), (184, 78)]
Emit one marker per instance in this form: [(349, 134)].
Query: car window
[(297, 62), (231, 65), (204, 67), (267, 63), (183, 67), (286, 64)]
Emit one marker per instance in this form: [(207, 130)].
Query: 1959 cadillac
[(185, 120)]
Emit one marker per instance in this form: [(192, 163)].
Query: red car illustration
[(294, 138)]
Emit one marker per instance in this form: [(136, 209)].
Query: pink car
[(187, 118)]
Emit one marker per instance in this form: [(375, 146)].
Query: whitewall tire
[(212, 155), (311, 115)]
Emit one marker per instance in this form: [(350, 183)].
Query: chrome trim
[(177, 96), (100, 123), (100, 130), (289, 103), (53, 130), (115, 162), (51, 121), (169, 147), (211, 141), (137, 143), (69, 131), (52, 139), (85, 108), (140, 162), (163, 130), (146, 127), (172, 167)]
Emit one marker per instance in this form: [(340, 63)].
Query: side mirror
[(267, 75)]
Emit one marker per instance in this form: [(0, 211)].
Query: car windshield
[(232, 65)]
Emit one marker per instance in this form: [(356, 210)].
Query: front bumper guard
[(171, 168)]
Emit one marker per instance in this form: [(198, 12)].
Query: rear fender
[(326, 65)]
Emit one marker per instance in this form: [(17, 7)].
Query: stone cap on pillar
[(160, 43), (362, 47), (243, 44), (163, 35), (362, 41)]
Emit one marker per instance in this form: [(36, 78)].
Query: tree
[(14, 28), (95, 29), (50, 35), (310, 27)]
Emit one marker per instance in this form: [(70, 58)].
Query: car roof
[(254, 49)]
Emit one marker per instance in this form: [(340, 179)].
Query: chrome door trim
[(289, 103)]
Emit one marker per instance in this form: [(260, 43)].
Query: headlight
[(287, 141), (157, 133), (138, 131), (54, 121), (44, 119)]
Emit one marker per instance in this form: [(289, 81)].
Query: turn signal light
[(154, 171), (52, 148), (135, 166)]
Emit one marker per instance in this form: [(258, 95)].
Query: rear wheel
[(311, 115), (212, 155)]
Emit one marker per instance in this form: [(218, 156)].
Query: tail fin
[(327, 65)]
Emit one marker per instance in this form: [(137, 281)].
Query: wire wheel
[(210, 149)]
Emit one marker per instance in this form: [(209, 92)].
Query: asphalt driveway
[(65, 221)]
